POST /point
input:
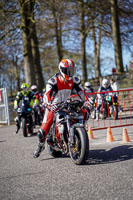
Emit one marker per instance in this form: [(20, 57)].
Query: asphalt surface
[(107, 175)]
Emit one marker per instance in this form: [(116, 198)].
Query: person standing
[(114, 84)]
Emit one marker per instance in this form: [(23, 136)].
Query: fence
[(4, 108), (111, 109)]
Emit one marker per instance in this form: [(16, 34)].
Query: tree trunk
[(97, 45), (83, 44), (116, 36), (26, 8), (57, 32), (83, 57), (36, 58), (17, 73)]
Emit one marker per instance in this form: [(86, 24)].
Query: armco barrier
[(104, 114)]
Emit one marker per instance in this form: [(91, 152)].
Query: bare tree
[(116, 36), (26, 8), (58, 27), (31, 54), (36, 54), (83, 41)]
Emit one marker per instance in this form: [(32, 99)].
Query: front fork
[(70, 131)]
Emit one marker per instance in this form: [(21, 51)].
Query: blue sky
[(108, 55)]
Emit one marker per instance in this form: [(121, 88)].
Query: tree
[(83, 41), (39, 79), (57, 14), (26, 9), (116, 36), (31, 54)]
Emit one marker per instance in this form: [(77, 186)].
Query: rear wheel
[(80, 150), (24, 128)]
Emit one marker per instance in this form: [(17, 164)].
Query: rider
[(38, 95), (58, 89), (38, 109), (103, 88), (25, 92), (88, 88)]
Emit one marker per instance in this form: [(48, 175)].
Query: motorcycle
[(25, 117), (38, 114), (109, 107), (94, 108), (67, 134)]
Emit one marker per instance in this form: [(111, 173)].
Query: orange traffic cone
[(125, 137), (90, 134), (110, 137)]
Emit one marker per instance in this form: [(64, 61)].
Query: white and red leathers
[(57, 90)]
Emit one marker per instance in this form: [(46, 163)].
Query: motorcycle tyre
[(24, 128), (30, 127), (54, 153), (101, 114), (115, 112), (93, 114), (83, 137)]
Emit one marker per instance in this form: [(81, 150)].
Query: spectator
[(114, 84)]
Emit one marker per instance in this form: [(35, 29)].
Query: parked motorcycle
[(25, 118), (67, 134)]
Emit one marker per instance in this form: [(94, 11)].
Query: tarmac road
[(107, 175)]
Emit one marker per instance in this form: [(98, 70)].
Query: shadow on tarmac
[(103, 156), (116, 154)]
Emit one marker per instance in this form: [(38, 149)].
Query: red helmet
[(67, 68)]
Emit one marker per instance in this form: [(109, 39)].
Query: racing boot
[(41, 143)]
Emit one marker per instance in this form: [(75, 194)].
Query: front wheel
[(24, 127), (115, 112), (80, 150), (93, 114)]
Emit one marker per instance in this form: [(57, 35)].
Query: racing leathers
[(101, 96), (38, 108), (19, 97), (102, 89), (58, 90)]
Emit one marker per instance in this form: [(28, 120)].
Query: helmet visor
[(34, 90), (68, 71), (105, 85), (25, 89)]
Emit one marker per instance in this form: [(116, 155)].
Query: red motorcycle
[(68, 134)]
